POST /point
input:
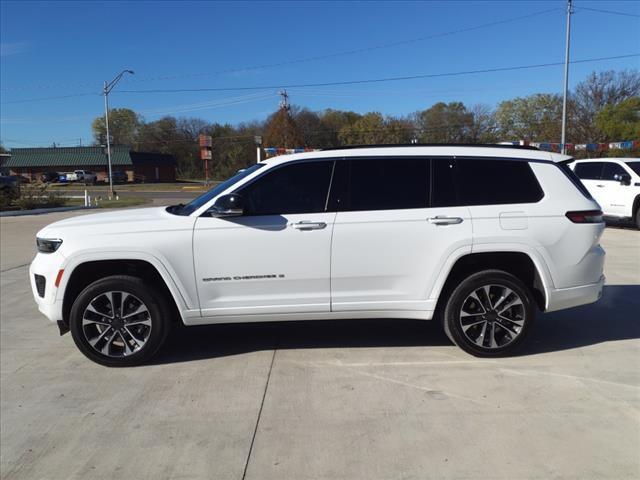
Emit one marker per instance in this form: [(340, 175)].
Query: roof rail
[(392, 145)]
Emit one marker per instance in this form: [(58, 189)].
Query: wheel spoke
[(511, 303), (474, 296), (480, 340), (504, 296), (512, 332), (138, 341), (105, 348), (88, 321), (469, 325), (94, 341), (487, 293), (141, 309), (518, 322), (123, 298), (146, 321), (493, 336), (91, 308)]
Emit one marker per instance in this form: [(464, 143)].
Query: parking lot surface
[(369, 399)]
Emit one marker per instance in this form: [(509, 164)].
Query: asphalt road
[(363, 399)]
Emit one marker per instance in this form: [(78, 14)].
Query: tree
[(123, 127), (373, 128), (621, 121), (444, 123), (483, 128), (281, 130), (2, 149), (593, 94), (535, 117)]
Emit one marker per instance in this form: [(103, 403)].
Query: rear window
[(589, 170), (496, 182)]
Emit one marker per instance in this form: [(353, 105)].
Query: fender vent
[(41, 284)]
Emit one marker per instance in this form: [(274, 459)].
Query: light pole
[(108, 86), (563, 140)]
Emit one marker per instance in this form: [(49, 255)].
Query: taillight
[(585, 216)]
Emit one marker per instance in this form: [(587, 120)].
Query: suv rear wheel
[(489, 313), (119, 321)]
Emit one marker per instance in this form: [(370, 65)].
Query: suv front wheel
[(489, 313), (119, 321)]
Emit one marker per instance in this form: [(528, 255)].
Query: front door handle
[(601, 186), (306, 225), (444, 220)]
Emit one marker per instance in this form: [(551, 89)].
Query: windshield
[(635, 166), (198, 202)]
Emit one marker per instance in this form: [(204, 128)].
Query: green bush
[(37, 196)]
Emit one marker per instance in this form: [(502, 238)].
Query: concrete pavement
[(372, 399)]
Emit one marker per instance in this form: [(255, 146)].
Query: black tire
[(637, 218), (159, 319), (505, 340)]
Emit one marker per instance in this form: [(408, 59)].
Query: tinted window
[(635, 166), (571, 175), (443, 185), (386, 184), (611, 170), (496, 182), (295, 188), (589, 170)]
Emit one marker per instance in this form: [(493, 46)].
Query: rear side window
[(294, 188), (387, 183), (496, 181), (589, 170), (611, 170)]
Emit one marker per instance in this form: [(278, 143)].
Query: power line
[(612, 12), (321, 57), (380, 80), (40, 99)]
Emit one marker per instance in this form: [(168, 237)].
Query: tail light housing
[(585, 216)]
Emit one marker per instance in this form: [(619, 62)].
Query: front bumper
[(48, 265), (561, 298)]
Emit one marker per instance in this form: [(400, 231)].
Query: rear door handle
[(306, 225), (444, 220), (601, 186)]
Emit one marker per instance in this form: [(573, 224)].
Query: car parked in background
[(119, 176), (49, 177), (84, 176), (9, 188), (477, 237), (614, 183)]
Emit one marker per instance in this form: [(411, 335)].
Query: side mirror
[(623, 178), (231, 205)]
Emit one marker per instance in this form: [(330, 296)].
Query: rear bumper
[(561, 298)]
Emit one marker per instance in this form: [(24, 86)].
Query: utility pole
[(108, 86), (284, 103), (563, 139)]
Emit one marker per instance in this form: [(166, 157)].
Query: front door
[(590, 174), (615, 194), (274, 259)]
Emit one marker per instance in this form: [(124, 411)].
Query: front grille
[(41, 283)]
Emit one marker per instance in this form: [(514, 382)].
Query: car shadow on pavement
[(615, 317)]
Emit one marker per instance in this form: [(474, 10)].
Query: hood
[(113, 222)]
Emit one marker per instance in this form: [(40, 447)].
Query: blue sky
[(51, 49)]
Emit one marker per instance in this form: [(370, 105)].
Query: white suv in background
[(614, 183), (479, 237)]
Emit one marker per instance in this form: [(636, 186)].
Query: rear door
[(388, 243)]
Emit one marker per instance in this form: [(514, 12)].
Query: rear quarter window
[(496, 181)]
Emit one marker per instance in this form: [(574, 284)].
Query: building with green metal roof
[(141, 166)]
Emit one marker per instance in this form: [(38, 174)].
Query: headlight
[(48, 245)]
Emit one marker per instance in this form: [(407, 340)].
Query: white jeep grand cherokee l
[(479, 237)]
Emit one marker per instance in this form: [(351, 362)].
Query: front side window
[(294, 188), (384, 183), (589, 170), (612, 171)]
